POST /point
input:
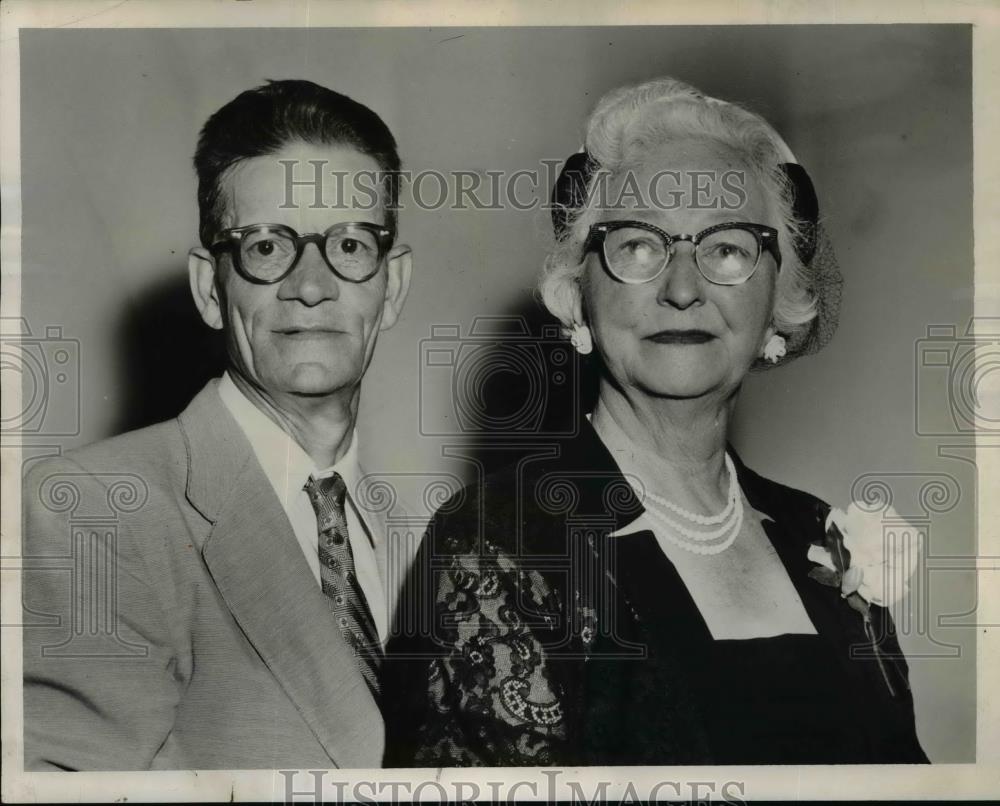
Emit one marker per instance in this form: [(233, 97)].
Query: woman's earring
[(774, 350), (580, 338)]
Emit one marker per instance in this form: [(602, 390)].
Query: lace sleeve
[(492, 700)]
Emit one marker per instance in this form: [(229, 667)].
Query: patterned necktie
[(339, 580)]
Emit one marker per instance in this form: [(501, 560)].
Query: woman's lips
[(681, 337)]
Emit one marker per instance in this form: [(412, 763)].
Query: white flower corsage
[(855, 558)]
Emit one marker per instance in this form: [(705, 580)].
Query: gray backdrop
[(880, 115)]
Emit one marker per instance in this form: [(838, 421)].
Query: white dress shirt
[(288, 468)]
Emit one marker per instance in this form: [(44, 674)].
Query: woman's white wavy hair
[(631, 121)]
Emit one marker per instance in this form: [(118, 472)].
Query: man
[(244, 605)]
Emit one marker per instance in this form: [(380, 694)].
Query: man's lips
[(306, 332), (688, 336)]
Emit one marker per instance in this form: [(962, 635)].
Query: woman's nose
[(681, 284)]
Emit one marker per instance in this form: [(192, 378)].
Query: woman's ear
[(202, 277), (577, 329), (773, 347), (769, 333)]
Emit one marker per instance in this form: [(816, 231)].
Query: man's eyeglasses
[(268, 253), (635, 252)]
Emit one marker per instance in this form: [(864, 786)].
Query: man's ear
[(399, 266), (201, 274)]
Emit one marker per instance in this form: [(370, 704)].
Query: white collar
[(284, 462)]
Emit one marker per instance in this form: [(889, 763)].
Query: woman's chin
[(681, 393), (682, 386), (682, 379)]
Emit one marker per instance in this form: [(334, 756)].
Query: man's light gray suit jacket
[(199, 637)]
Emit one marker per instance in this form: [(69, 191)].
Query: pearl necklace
[(730, 519)]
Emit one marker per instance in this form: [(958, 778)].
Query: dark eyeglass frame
[(231, 239), (767, 239)]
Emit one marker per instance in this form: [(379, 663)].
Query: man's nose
[(681, 285), (311, 281)]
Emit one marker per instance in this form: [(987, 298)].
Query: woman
[(636, 595)]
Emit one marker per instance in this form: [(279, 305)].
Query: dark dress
[(552, 644)]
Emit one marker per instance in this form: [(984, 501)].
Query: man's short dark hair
[(263, 120)]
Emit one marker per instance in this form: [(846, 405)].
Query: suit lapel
[(261, 573)]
